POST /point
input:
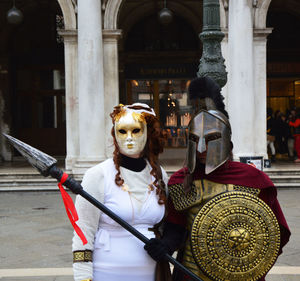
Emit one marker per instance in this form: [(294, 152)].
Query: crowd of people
[(283, 133)]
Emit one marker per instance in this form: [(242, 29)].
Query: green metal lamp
[(212, 61)]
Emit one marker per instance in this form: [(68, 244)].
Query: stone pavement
[(35, 236)]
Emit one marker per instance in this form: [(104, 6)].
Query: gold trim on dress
[(83, 256)]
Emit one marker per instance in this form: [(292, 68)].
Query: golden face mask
[(131, 134)]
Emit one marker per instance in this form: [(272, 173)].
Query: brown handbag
[(270, 138)]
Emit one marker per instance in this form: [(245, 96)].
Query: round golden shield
[(235, 236)]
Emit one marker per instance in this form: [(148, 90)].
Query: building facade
[(64, 70)]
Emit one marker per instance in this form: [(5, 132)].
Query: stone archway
[(260, 15), (260, 34), (111, 14), (283, 60), (186, 13), (112, 33), (110, 21), (68, 11)]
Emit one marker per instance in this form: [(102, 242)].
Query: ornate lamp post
[(212, 61)]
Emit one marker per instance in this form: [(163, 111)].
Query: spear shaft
[(46, 165), (76, 188)]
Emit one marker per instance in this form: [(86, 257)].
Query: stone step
[(10, 178), (26, 182), (12, 181), (27, 176), (44, 187), (285, 178), (287, 185), (20, 175), (282, 172)]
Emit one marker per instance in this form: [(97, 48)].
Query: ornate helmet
[(209, 129)]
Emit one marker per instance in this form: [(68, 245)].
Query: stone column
[(240, 99), (260, 89), (224, 48), (72, 130), (90, 85), (111, 81), (224, 44)]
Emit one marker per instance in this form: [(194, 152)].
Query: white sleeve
[(89, 216)]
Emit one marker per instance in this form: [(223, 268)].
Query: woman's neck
[(133, 164)]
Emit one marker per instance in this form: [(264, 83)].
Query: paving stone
[(36, 233)]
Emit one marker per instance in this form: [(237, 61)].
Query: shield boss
[(235, 236)]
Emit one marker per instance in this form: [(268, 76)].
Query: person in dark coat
[(283, 133)]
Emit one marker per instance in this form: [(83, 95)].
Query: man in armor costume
[(223, 216)]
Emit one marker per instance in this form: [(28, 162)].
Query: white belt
[(105, 231)]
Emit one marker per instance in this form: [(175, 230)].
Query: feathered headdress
[(208, 92)]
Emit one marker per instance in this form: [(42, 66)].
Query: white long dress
[(117, 254)]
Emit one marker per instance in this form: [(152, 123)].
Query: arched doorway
[(34, 88), (156, 63), (283, 72), (283, 56)]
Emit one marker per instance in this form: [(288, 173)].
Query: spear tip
[(38, 159)]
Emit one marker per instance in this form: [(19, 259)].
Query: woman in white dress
[(132, 185)]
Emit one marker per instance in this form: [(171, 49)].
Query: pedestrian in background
[(283, 129), (296, 125), (271, 134), (291, 117)]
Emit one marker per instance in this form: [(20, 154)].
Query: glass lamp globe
[(14, 16), (165, 16)]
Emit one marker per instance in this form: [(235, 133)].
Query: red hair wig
[(154, 146)]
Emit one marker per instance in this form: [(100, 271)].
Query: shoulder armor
[(201, 192)]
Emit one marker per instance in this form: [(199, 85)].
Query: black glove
[(156, 249)]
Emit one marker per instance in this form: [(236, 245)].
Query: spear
[(46, 165)]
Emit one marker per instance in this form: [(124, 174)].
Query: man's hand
[(156, 249)]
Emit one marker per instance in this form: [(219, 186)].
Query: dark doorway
[(36, 89), (158, 63), (283, 56)]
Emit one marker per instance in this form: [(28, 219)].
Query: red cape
[(239, 174)]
